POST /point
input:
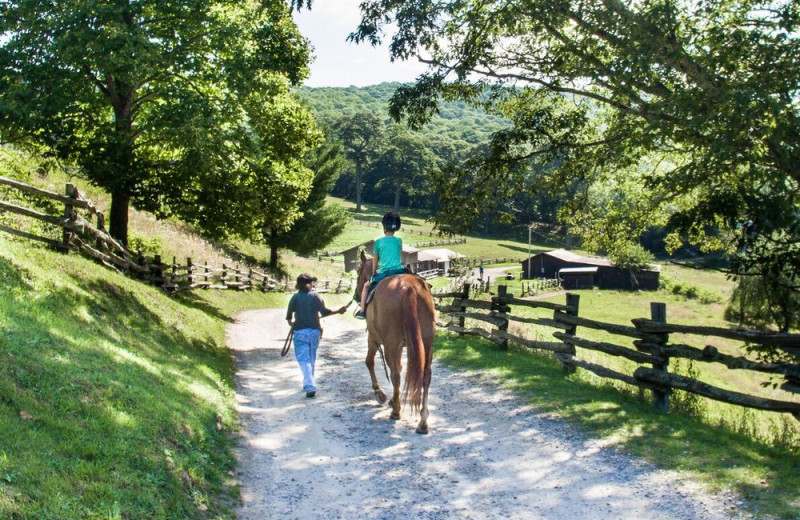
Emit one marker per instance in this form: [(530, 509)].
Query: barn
[(580, 272), (351, 260), (436, 259)]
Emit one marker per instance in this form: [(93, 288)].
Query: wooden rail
[(80, 235), (646, 344)]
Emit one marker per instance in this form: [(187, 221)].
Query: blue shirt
[(307, 308)]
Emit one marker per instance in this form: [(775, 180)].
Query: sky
[(339, 63)]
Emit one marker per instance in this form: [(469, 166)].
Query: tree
[(320, 222), (360, 134), (134, 92), (403, 164), (614, 211), (757, 302), (595, 86), (257, 178)]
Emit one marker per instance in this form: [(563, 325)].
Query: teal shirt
[(389, 250)]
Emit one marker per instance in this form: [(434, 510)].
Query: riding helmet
[(391, 221)]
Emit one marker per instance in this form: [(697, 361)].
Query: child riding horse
[(401, 314)]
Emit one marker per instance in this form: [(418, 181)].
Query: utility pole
[(529, 250)]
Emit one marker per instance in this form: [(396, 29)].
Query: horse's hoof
[(394, 416), (380, 397), (422, 430)]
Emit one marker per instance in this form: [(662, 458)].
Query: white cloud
[(339, 63)]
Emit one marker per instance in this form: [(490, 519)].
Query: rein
[(385, 370), (288, 343)]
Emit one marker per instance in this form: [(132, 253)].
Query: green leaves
[(319, 223), (150, 98), (711, 86), (403, 165)]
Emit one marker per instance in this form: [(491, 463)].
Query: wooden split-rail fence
[(190, 276), (647, 344), (475, 262), (449, 241), (534, 287), (79, 234)]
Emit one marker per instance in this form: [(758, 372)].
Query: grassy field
[(417, 230)]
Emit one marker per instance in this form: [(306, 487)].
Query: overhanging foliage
[(593, 87)]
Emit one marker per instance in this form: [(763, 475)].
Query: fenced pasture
[(643, 355)]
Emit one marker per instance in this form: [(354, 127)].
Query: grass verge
[(116, 399)]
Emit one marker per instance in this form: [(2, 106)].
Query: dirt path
[(488, 456)]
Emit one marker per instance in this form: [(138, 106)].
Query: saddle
[(376, 280)]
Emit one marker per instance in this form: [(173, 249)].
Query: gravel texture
[(488, 456)]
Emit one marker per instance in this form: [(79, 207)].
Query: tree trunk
[(397, 199), (118, 224), (358, 186), (121, 158), (273, 252)]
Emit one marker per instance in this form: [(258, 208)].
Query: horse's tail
[(415, 372)]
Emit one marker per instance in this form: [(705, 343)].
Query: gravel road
[(488, 456)]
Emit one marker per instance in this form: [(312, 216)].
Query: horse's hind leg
[(395, 369), (422, 427), (394, 358), (372, 349)]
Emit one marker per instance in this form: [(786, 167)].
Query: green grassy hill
[(114, 396)]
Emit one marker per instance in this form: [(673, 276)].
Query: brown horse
[(401, 314)]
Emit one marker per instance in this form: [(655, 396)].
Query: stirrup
[(361, 315)]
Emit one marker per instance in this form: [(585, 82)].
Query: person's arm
[(324, 311), (289, 311)]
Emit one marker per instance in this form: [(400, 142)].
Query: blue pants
[(306, 342)]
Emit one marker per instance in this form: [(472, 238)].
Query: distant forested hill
[(399, 167), (458, 125)]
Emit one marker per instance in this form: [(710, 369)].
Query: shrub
[(149, 246)]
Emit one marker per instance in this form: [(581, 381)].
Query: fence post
[(501, 306), (69, 211), (140, 259), (573, 304), (189, 272), (658, 314), (101, 226), (158, 268), (462, 320), (174, 274), (224, 274)]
